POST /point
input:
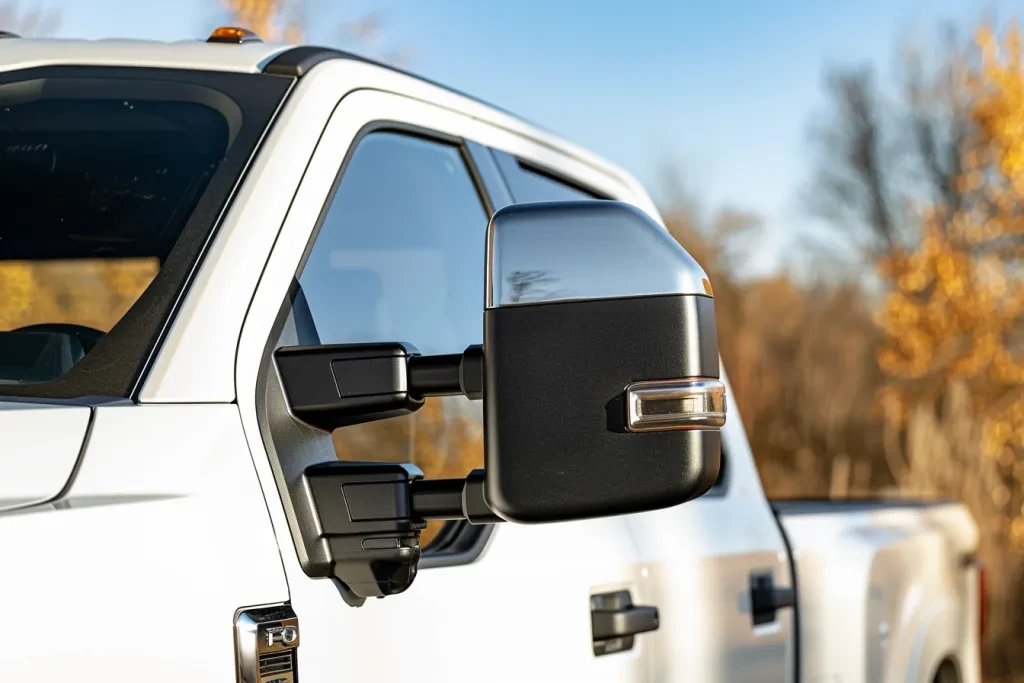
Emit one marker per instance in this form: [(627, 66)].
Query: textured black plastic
[(362, 513), (337, 385), (554, 409), (435, 375), (437, 498)]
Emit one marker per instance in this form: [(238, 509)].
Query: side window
[(400, 257), (530, 184)]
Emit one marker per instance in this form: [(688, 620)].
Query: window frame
[(402, 128), (458, 542)]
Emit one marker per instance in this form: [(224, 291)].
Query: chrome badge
[(266, 645)]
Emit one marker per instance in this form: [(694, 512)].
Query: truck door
[(719, 570), (385, 241), (713, 565)]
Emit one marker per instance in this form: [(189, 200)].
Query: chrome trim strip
[(266, 645), (661, 405)]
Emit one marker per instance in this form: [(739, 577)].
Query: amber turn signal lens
[(233, 34)]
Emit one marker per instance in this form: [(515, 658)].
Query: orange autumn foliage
[(955, 312), (91, 292), (272, 20)]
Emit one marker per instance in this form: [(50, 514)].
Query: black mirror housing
[(558, 443), (601, 365)]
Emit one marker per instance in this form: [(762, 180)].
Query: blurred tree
[(272, 20), (955, 312), (878, 157), (287, 21), (924, 188), (91, 292), (929, 187), (36, 22), (799, 358)]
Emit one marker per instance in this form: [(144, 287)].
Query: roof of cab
[(22, 53), (248, 57)]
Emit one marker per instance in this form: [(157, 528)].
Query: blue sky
[(721, 91)]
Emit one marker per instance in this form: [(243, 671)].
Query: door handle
[(766, 599), (616, 621)]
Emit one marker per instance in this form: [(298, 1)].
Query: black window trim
[(118, 366)]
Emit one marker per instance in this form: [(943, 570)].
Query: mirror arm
[(367, 516), (456, 374), (454, 499), (344, 384)]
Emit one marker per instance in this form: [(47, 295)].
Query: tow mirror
[(600, 379), (601, 365)]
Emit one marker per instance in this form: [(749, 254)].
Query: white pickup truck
[(333, 245)]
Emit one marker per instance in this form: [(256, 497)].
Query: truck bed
[(886, 589)]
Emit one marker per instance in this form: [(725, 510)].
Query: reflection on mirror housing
[(600, 380)]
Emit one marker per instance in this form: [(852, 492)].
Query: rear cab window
[(530, 183), (112, 181)]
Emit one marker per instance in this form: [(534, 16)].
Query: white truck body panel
[(891, 575), (25, 54), (41, 444), (135, 574), (173, 520), (700, 557)]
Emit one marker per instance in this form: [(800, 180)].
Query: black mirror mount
[(339, 385), (368, 517)]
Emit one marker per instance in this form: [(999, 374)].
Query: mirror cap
[(628, 254)]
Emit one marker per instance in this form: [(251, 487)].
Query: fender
[(935, 640)]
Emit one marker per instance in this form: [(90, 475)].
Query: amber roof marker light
[(233, 34)]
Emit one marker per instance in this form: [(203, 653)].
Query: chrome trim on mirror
[(544, 252), (662, 405)]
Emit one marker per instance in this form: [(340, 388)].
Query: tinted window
[(538, 187), (529, 184), (400, 257), (99, 178)]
